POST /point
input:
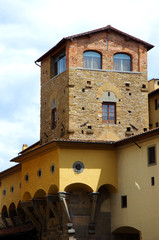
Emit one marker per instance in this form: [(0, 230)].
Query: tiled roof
[(107, 28)]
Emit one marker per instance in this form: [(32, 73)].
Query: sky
[(29, 28)]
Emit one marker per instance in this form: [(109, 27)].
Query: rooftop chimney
[(24, 147)]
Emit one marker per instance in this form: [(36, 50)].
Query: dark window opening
[(109, 112), (52, 168), (143, 86), (58, 64), (151, 155), (156, 104), (4, 192), (12, 189), (122, 62), (127, 84), (92, 60), (39, 173), (152, 181), (89, 82), (128, 129), (89, 127), (145, 129), (124, 201), (26, 177), (54, 118), (157, 124)]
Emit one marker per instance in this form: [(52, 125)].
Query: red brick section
[(107, 44)]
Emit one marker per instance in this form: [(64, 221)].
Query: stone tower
[(94, 87)]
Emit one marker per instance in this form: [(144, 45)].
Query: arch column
[(52, 199), (63, 196), (94, 197)]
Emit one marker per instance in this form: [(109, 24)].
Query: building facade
[(94, 172), (153, 96)]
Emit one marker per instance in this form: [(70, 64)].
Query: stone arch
[(79, 200), (26, 197), (39, 194), (126, 232), (12, 210), (4, 211), (112, 189), (53, 189), (20, 211), (77, 187), (108, 86)]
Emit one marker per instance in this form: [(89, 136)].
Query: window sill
[(104, 70), (152, 164)]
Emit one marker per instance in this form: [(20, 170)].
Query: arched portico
[(126, 232)]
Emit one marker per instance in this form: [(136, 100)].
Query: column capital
[(63, 195)]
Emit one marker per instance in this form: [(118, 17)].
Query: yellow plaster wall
[(31, 166), (11, 179), (134, 180), (100, 167)]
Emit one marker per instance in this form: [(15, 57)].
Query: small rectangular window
[(156, 104), (109, 112), (152, 181), (151, 155), (54, 118), (124, 201), (156, 124)]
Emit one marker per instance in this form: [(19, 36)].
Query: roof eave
[(107, 28)]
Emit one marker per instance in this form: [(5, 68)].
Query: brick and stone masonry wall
[(85, 103), (79, 92)]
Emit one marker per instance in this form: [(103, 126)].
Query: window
[(54, 118), (151, 155), (12, 189), (58, 64), (109, 112), (26, 177), (152, 181), (122, 62), (92, 60), (78, 167), (52, 168), (124, 201), (156, 104), (39, 173)]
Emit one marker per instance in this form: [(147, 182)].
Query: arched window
[(122, 62), (92, 60)]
